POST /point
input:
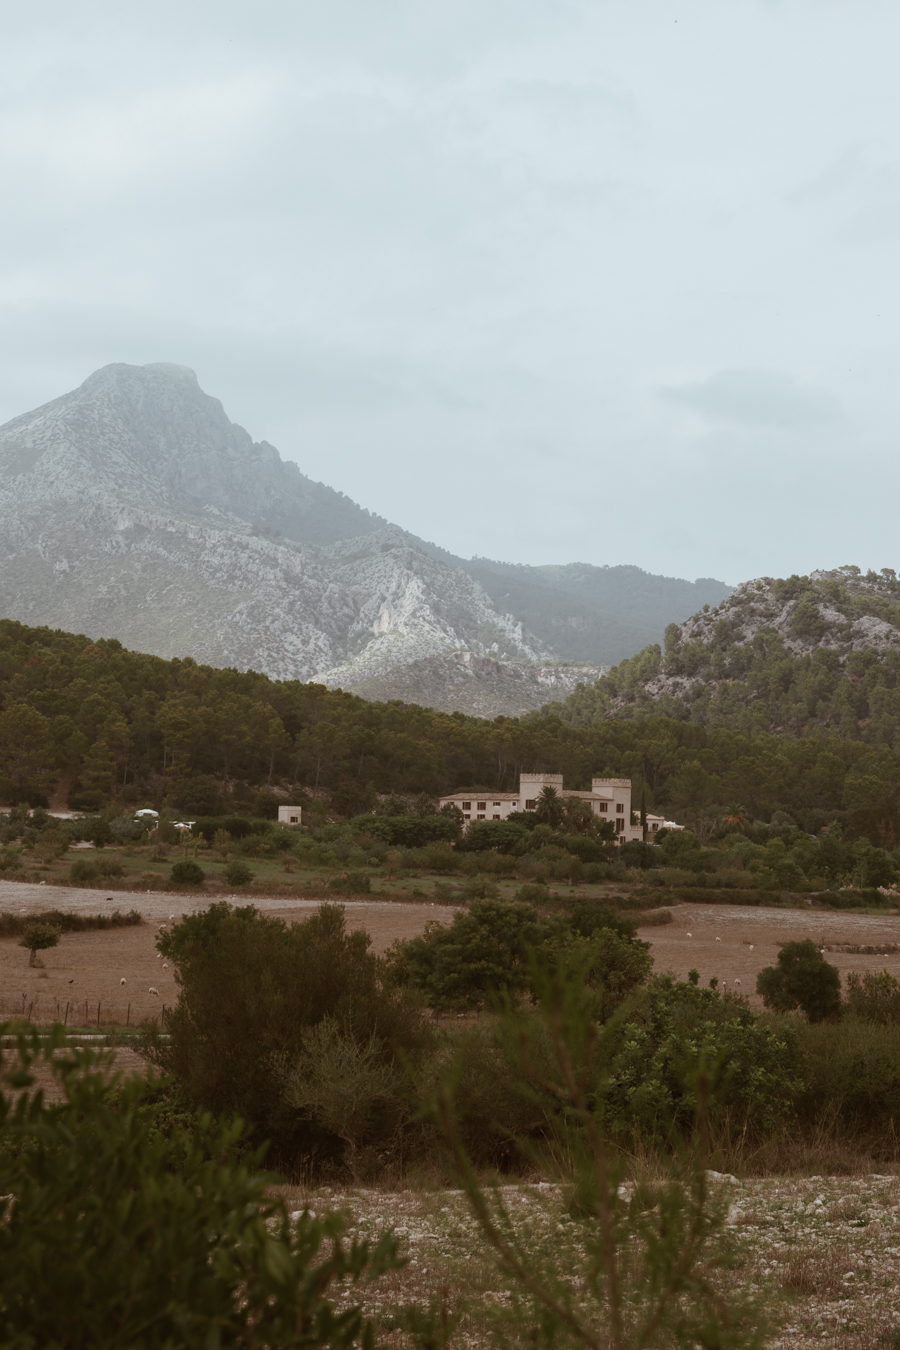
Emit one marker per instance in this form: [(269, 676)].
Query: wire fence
[(43, 1011)]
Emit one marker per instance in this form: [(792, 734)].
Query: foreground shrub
[(851, 1080), (672, 1030), (483, 952), (118, 1235), (187, 873), (641, 1259), (802, 979), (252, 991)]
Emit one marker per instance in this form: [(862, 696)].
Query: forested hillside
[(794, 656), (98, 725)]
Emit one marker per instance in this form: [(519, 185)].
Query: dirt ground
[(732, 943), (87, 969)]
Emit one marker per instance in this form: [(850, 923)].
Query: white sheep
[(172, 917), (122, 981), (718, 939), (689, 935), (159, 956), (165, 965), (151, 990), (737, 982), (751, 946)]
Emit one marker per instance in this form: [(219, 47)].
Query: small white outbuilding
[(290, 815)]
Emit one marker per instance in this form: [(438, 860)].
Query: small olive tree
[(802, 979), (38, 937)]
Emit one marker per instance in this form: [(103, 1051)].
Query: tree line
[(115, 727)]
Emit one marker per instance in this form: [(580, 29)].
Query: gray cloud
[(756, 398), (446, 255)]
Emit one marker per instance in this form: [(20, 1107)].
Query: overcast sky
[(544, 280)]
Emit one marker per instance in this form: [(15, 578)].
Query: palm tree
[(550, 808)]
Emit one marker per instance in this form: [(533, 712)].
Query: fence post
[(98, 1014), (30, 1009), (86, 1023), (128, 1015), (66, 1022)]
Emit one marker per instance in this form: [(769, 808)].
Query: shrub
[(589, 915), (851, 1074), (489, 834), (83, 869), (266, 804), (108, 868), (802, 979), (237, 873), (677, 1028), (876, 998), (532, 893), (187, 873), (608, 965), (351, 883), (480, 888), (198, 796), (482, 953), (122, 1233), (635, 853), (407, 831), (251, 991)]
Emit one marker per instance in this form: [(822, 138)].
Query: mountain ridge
[(132, 506)]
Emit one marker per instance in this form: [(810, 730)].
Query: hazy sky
[(612, 280)]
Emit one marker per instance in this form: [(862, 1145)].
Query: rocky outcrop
[(478, 685)]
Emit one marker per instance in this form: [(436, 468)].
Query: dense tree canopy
[(111, 725)]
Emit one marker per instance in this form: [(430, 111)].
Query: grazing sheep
[(151, 990), (159, 956), (689, 935), (165, 965), (718, 939), (122, 981), (737, 982), (751, 946)]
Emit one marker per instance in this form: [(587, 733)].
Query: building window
[(498, 803), (480, 817), (467, 816), (620, 808), (530, 805), (467, 806), (654, 826), (603, 807), (496, 817), (482, 806)]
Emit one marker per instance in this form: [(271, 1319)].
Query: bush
[(238, 827), (802, 979), (199, 796), (674, 1030), (875, 998), (237, 873), (532, 893), (407, 831), (83, 869), (123, 1234), (187, 873), (251, 991), (266, 804), (851, 1080), (589, 915), (635, 853), (351, 883), (488, 834), (108, 868), (484, 952)]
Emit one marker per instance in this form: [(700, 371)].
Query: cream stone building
[(609, 798)]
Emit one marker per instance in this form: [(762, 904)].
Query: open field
[(726, 941)]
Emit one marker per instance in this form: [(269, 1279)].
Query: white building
[(290, 815), (609, 798)]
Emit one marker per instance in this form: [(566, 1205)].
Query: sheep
[(737, 982), (151, 990), (165, 965), (159, 956), (751, 946), (122, 981), (689, 935), (172, 918), (718, 939)]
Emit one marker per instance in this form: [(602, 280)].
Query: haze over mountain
[(133, 508)]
